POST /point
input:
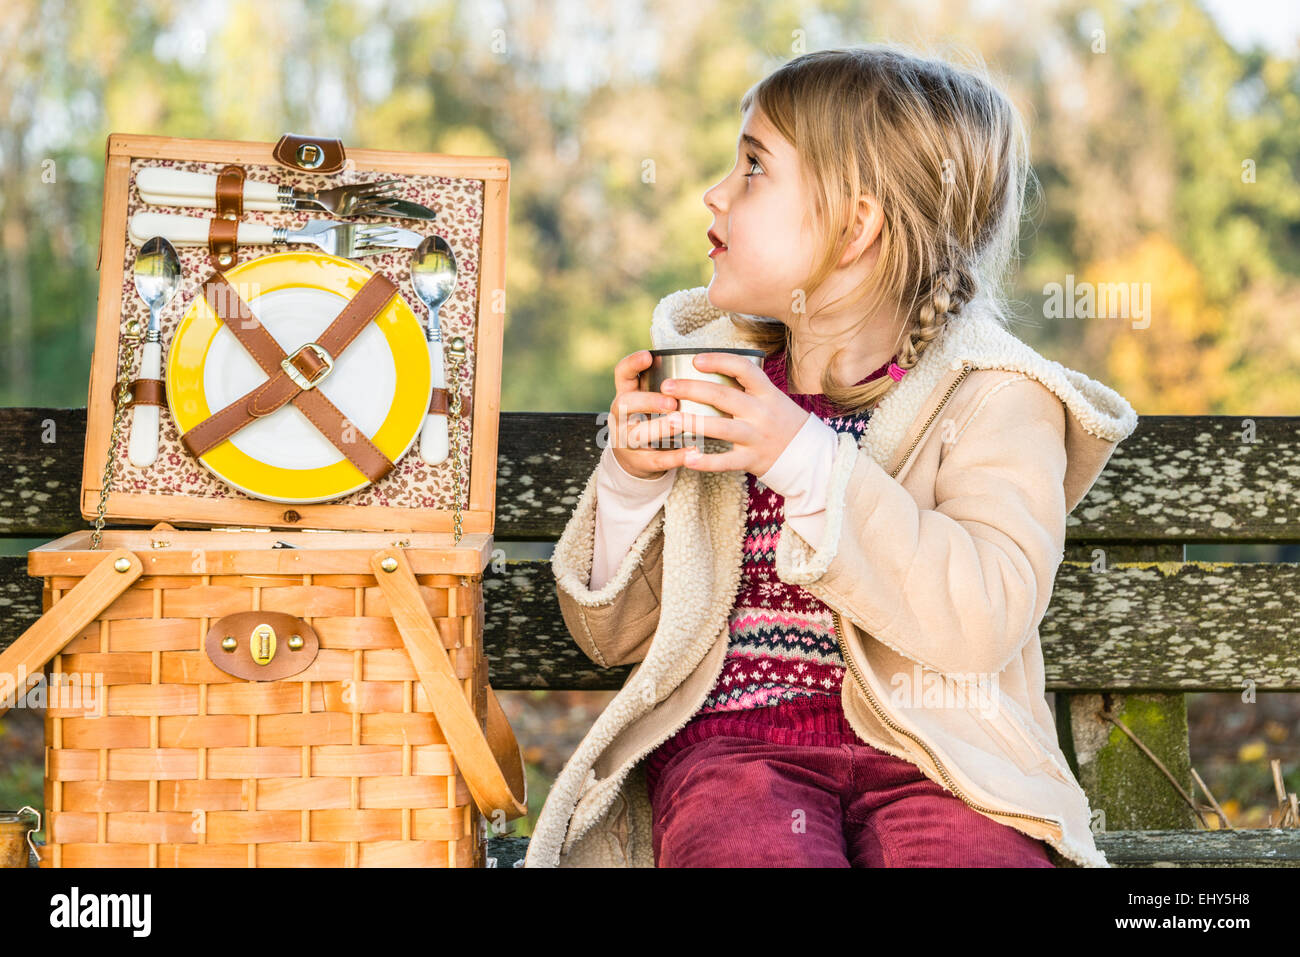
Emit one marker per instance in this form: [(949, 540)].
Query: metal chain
[(123, 387), (456, 350)]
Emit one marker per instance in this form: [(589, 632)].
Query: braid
[(950, 289)]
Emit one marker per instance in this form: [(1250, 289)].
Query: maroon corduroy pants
[(792, 785)]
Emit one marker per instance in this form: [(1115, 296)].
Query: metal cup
[(16, 837), (680, 364)]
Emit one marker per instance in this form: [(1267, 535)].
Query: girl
[(834, 620)]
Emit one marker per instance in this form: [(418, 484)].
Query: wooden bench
[(1131, 629)]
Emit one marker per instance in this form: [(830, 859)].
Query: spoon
[(157, 277), (433, 277)]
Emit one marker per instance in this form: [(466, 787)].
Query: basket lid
[(289, 470)]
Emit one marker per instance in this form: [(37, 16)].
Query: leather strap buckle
[(309, 154), (324, 366), (293, 382)]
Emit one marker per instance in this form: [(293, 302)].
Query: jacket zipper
[(861, 681), (966, 370)]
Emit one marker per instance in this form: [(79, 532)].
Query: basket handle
[(492, 764), (70, 614)]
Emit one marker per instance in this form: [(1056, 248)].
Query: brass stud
[(389, 564), (295, 642), (228, 643), (122, 565)]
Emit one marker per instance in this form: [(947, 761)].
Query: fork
[(162, 186), (349, 240), (341, 200)]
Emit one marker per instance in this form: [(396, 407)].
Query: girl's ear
[(868, 218)]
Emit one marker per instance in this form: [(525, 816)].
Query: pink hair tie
[(896, 371)]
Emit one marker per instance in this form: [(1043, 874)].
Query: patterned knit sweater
[(781, 652)]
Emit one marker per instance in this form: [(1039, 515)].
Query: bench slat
[(1138, 627), (1254, 847), (1271, 847), (1177, 478)]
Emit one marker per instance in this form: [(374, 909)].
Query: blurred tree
[(1168, 159), (1158, 146)]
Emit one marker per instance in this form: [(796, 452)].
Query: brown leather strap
[(280, 387), (223, 231), (230, 192), (440, 403), (223, 240), (367, 303), (147, 392), (343, 435)]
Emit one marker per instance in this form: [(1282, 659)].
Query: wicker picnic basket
[(275, 686)]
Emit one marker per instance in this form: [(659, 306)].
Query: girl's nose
[(713, 198)]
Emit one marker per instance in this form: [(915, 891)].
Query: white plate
[(362, 385)]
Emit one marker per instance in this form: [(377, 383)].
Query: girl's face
[(759, 213)]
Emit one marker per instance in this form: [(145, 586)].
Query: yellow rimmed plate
[(381, 382)]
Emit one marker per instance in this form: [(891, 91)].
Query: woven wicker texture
[(341, 765)]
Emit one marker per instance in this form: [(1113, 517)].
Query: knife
[(161, 186), (402, 209)]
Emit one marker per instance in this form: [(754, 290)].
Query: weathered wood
[(1125, 788), (1257, 847), (1173, 625), (1134, 628), (506, 851), (1177, 478), (40, 471), (543, 464), (1253, 847), (20, 599)]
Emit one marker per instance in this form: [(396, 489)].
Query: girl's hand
[(764, 419), (631, 437)]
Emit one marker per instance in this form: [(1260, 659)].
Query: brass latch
[(263, 644), (248, 645)]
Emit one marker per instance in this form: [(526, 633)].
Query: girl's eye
[(753, 161)]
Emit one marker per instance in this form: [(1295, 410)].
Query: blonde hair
[(945, 153)]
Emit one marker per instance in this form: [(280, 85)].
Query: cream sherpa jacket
[(945, 525)]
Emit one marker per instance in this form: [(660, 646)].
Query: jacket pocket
[(1028, 755), (1028, 752)]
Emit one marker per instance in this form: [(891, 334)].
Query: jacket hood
[(1098, 417)]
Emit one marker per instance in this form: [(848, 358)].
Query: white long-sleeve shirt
[(626, 504)]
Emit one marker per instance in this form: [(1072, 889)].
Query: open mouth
[(717, 243)]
